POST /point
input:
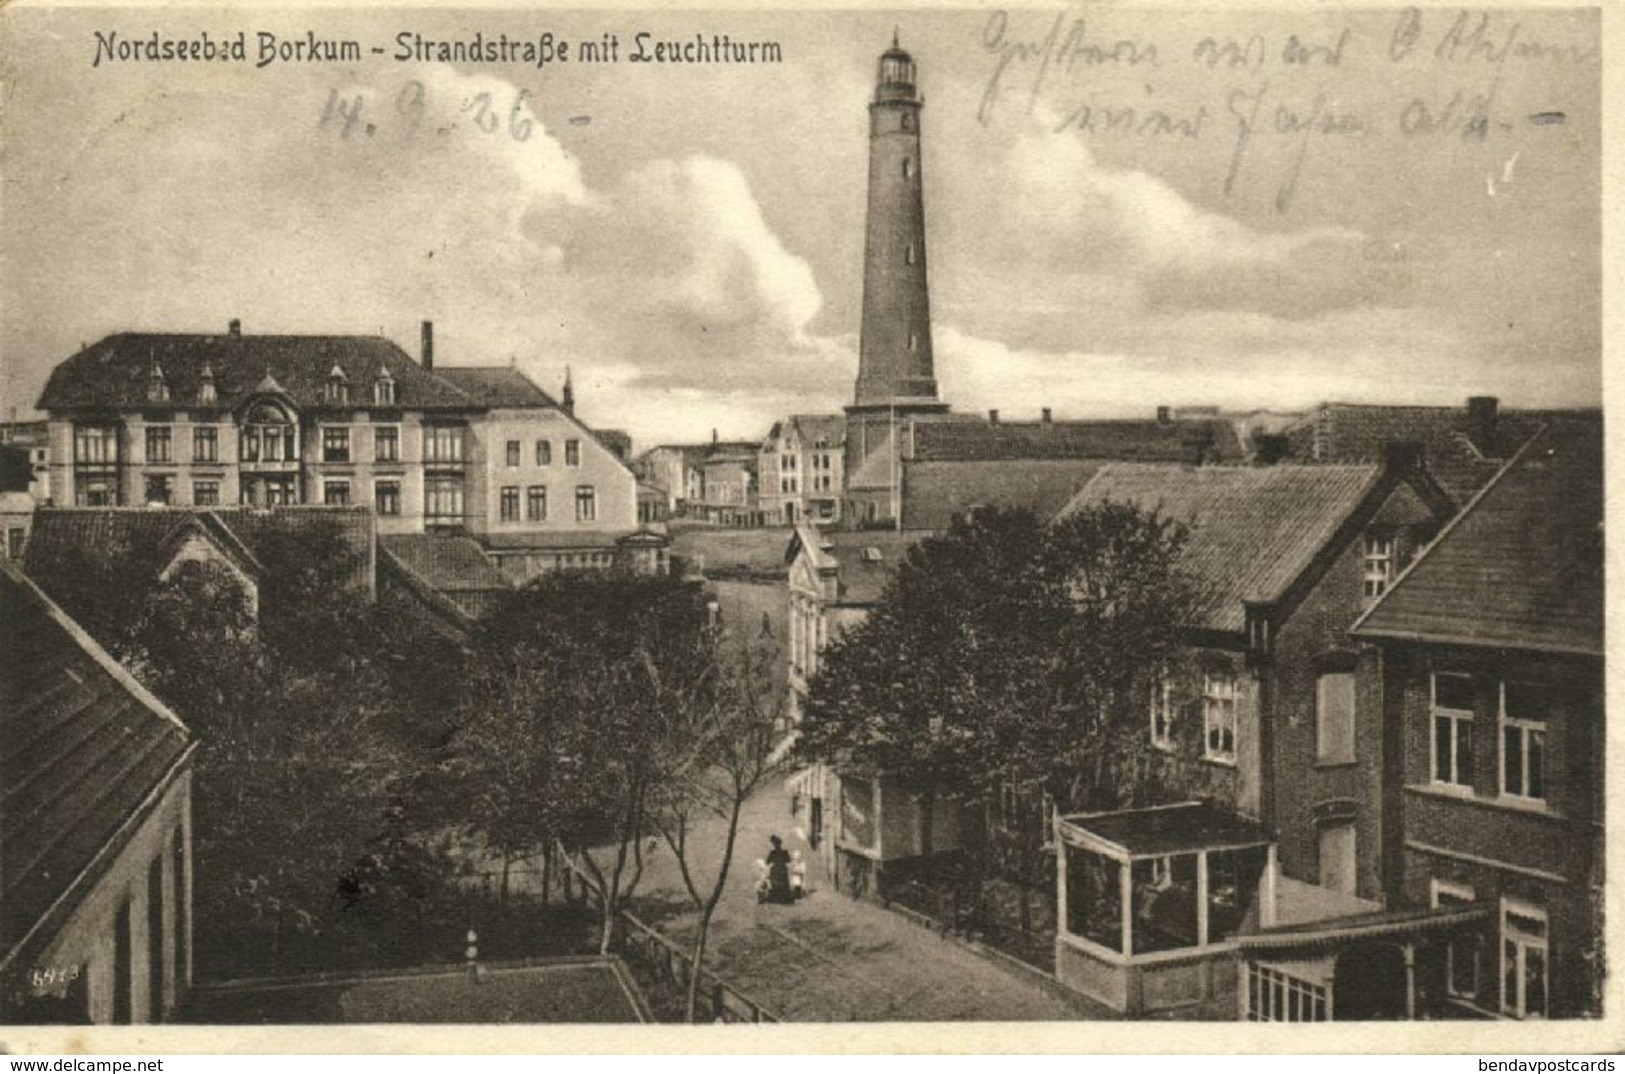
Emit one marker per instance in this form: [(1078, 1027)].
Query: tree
[(586, 663), (719, 743), (1008, 652)]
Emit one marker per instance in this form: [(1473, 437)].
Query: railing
[(646, 947)]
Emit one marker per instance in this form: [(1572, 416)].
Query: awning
[(1384, 924), (1161, 830)]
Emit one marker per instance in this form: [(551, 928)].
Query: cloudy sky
[(1411, 217)]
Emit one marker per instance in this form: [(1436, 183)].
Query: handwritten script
[(1287, 90)]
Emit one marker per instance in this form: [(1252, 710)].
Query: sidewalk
[(829, 958)]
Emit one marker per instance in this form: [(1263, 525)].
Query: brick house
[(1490, 655), (1277, 755)]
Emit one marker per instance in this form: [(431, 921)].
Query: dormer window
[(157, 387), (205, 390), (383, 389), (338, 386)]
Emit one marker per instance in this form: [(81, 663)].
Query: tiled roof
[(495, 385), (1522, 566), (59, 534), (552, 540), (865, 560), (718, 552), (85, 747), (811, 428), (1253, 530), (619, 442), (1356, 432), (114, 372), (1149, 440), (934, 492), (447, 563)]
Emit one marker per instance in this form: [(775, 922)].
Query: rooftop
[(115, 373), (1171, 829), (935, 491), (864, 560), (1150, 440), (1521, 567), (85, 748), (1253, 529)]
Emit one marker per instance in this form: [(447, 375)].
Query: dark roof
[(1356, 432), (541, 991), (1331, 933), (495, 386), (1172, 829), (934, 492), (1253, 530), (446, 563), (61, 534), (1149, 440), (114, 373), (85, 748), (1522, 566), (864, 560), (619, 442), (551, 540)]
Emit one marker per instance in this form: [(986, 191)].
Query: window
[(95, 491), (335, 443), (383, 390), (1379, 564), (338, 388), (157, 387), (443, 503), (206, 493), (386, 497), (510, 502), (536, 503), (386, 444), (1523, 959), (159, 438), (544, 453), (1165, 903), (1337, 856), (1452, 746), (1461, 956), (1523, 741), (206, 394), (512, 453), (1219, 717), (572, 453), (1094, 897), (158, 489), (908, 257), (443, 443), (1334, 718), (913, 341), (205, 444), (15, 537), (1162, 715), (586, 503), (95, 443), (1277, 996), (908, 167), (336, 493)]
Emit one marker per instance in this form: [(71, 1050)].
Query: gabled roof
[(1253, 530), (61, 535), (864, 561), (114, 373), (495, 386), (86, 750), (618, 441), (1147, 440), (1356, 432), (811, 428), (934, 492), (444, 568), (1522, 566)]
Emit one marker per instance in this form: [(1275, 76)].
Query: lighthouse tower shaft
[(894, 348)]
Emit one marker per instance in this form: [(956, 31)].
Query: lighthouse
[(896, 383)]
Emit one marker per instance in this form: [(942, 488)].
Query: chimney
[(428, 345), (1045, 416), (1481, 419), (1401, 456), (993, 417), (713, 434), (234, 328), (569, 393), (1164, 415), (1269, 448)]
